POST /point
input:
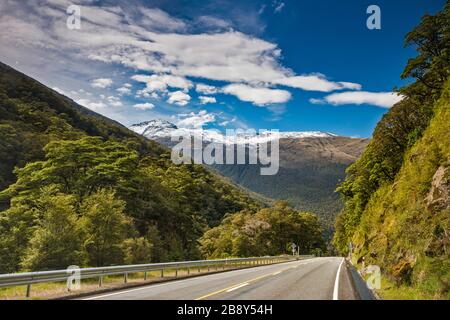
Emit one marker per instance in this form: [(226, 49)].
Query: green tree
[(401, 127), (17, 225), (106, 227), (137, 250), (56, 243), (430, 67), (268, 231), (78, 167)]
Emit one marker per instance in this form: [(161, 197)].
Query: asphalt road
[(312, 279)]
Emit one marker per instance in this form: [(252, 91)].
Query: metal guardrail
[(29, 278)]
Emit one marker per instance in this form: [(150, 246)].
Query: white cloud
[(278, 6), (317, 101), (257, 95), (213, 23), (125, 89), (101, 83), (196, 120), (205, 89), (60, 91), (160, 82), (157, 19), (205, 100), (144, 106), (148, 40), (179, 97), (91, 105), (316, 82), (379, 99), (114, 101)]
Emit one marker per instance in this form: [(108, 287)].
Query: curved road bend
[(315, 278)]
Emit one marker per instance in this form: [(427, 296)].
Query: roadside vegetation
[(397, 202), (268, 231)]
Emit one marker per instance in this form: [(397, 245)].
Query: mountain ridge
[(311, 164)]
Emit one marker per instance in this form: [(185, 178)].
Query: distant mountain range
[(159, 129), (311, 164)]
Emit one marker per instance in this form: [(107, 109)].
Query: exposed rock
[(439, 196)]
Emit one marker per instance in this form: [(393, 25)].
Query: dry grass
[(53, 290)]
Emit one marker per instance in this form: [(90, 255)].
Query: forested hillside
[(309, 170), (87, 191), (397, 202), (310, 166)]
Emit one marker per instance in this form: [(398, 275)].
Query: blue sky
[(287, 65)]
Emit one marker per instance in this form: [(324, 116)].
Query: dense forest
[(397, 212), (78, 188), (267, 231)]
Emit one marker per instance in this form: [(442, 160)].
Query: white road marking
[(275, 273), (336, 282), (150, 286), (237, 287)]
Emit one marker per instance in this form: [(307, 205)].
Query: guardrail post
[(162, 273), (198, 269), (176, 272), (145, 276), (100, 281), (188, 271), (28, 290), (125, 278)]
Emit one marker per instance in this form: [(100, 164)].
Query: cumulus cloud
[(160, 82), (90, 104), (163, 50), (179, 97), (205, 100), (125, 89), (144, 106), (257, 95), (101, 83), (114, 101), (206, 89), (379, 99), (196, 120)]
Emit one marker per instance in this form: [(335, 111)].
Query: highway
[(312, 279)]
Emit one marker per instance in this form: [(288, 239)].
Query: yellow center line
[(244, 283)]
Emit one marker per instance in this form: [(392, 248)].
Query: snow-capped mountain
[(154, 128), (161, 129), (311, 163)]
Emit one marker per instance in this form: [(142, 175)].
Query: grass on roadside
[(59, 289)]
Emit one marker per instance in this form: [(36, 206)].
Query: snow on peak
[(158, 128)]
